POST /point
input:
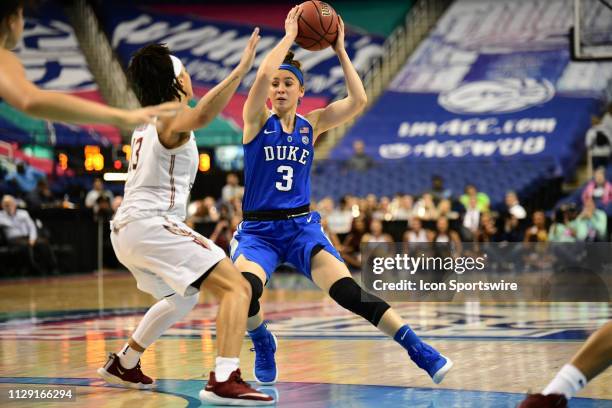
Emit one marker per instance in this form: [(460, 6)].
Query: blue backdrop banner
[(210, 49), (493, 80)]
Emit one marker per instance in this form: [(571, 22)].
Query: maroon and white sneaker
[(234, 391), (114, 373), (544, 401)]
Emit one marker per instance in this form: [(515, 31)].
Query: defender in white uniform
[(168, 259), (148, 234)]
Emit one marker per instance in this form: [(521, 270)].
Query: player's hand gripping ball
[(317, 26)]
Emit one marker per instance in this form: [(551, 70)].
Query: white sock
[(128, 357), (568, 381), (224, 366)]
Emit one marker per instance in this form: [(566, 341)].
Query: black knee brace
[(348, 294), (256, 292)]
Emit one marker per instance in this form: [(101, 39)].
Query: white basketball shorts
[(164, 255)]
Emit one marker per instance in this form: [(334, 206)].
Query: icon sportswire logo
[(497, 96)]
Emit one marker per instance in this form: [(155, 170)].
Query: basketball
[(317, 26)]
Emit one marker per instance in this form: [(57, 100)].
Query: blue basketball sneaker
[(265, 344), (430, 360)]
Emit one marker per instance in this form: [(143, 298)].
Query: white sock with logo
[(568, 381), (128, 357), (224, 366)]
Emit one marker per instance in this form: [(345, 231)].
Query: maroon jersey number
[(136, 152)]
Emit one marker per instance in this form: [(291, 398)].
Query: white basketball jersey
[(159, 179)]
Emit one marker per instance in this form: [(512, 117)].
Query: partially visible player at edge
[(20, 93), (593, 358), (167, 258), (278, 225)]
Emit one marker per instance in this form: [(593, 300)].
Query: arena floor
[(59, 331)]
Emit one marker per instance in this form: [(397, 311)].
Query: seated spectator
[(368, 205), (599, 189), (446, 241), (236, 207), (416, 233), (425, 208), (232, 188), (376, 233), (383, 210), (538, 231), (340, 219), (202, 211), (20, 231), (225, 212), (482, 200), (510, 230), (591, 224), (360, 161), (42, 197), (351, 250), (401, 207), (103, 210), (98, 190), (487, 231), (445, 209), (438, 191), (443, 233), (561, 228), (25, 177), (599, 143), (513, 207), (471, 218)]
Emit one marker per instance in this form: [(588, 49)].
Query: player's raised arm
[(23, 95), (254, 111), (341, 111), (215, 100)]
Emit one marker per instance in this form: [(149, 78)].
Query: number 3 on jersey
[(135, 154), (287, 183)]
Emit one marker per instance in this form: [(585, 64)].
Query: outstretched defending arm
[(213, 102), (22, 94)]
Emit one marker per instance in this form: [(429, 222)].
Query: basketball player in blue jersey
[(20, 93), (278, 225)]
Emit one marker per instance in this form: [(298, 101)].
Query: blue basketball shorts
[(270, 243)]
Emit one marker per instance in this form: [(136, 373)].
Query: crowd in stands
[(436, 215), (23, 236)]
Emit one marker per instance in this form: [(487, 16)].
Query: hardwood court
[(59, 331)]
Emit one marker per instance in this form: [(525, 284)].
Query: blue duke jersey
[(277, 166), (277, 177)]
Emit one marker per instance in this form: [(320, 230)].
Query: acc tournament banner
[(211, 49), (494, 80)]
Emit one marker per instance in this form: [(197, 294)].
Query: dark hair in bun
[(289, 60)]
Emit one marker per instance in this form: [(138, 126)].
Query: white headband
[(177, 65)]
